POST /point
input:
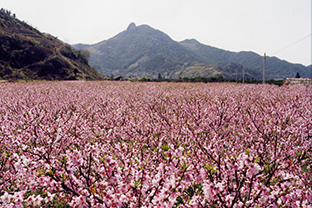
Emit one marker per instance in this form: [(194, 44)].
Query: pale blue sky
[(236, 25)]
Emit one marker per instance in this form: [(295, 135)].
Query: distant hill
[(275, 68), (144, 51), (26, 53)]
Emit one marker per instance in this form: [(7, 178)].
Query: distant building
[(295, 81)]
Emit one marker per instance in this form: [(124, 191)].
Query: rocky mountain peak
[(131, 27)]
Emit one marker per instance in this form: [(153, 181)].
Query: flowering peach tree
[(120, 144)]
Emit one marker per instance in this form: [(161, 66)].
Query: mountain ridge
[(248, 59)]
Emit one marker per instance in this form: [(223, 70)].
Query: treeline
[(217, 79), (6, 14)]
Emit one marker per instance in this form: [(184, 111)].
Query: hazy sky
[(280, 28)]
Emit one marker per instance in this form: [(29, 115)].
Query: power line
[(291, 44)]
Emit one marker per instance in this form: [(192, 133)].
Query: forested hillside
[(26, 53)]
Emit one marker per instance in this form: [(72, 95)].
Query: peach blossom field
[(129, 144)]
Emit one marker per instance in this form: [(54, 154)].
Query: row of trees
[(196, 79)]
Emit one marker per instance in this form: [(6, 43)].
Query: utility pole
[(264, 60), (243, 75)]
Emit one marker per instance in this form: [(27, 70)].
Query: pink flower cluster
[(120, 144)]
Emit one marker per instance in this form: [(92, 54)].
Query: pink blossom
[(6, 198), (253, 169), (208, 191), (49, 197), (37, 200)]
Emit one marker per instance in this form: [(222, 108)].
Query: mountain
[(26, 53), (139, 51), (144, 51), (275, 68)]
